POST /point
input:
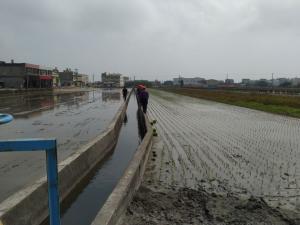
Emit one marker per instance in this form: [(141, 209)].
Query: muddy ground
[(188, 206), (213, 203), (73, 118), (218, 164)]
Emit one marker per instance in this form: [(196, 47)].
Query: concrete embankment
[(128, 184), (30, 205)]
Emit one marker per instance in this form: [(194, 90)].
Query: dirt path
[(218, 164)]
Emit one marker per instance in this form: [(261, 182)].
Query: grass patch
[(161, 95), (278, 104)]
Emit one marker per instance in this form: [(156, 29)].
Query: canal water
[(82, 207), (72, 118)]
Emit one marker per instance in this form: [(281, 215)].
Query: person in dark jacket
[(143, 98), (125, 92)]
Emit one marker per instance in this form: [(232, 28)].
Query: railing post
[(48, 145), (54, 209)]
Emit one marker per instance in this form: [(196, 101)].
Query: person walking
[(143, 98), (125, 92)]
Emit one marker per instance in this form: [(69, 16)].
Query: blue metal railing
[(5, 118), (48, 145)]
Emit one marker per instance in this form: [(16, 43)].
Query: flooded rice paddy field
[(245, 149), (72, 118)]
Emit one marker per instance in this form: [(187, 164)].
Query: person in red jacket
[(143, 97)]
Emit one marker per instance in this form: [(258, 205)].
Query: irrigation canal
[(84, 205)]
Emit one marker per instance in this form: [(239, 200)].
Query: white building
[(81, 79), (112, 79), (295, 81), (196, 81)]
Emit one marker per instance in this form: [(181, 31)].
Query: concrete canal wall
[(128, 184), (30, 205)]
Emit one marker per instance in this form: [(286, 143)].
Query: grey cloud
[(27, 12), (274, 16), (150, 37), (111, 16)]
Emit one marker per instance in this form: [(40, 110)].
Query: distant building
[(229, 81), (295, 82), (67, 77), (112, 79), (246, 82), (156, 83), (25, 75), (45, 75), (81, 80), (263, 83), (55, 78), (212, 83), (192, 82), (275, 83), (284, 82), (168, 83), (126, 79)]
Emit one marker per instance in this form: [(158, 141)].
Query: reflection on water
[(111, 95), (125, 119), (141, 123), (28, 106), (23, 105)]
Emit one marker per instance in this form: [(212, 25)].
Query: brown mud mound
[(188, 206)]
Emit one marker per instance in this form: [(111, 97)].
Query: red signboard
[(45, 77), (27, 65)]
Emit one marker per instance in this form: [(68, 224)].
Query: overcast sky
[(155, 39)]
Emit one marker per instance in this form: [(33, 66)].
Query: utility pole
[(76, 76), (273, 82), (93, 84)]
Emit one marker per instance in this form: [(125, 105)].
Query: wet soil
[(244, 148), (218, 164), (73, 118), (212, 203), (188, 206)]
